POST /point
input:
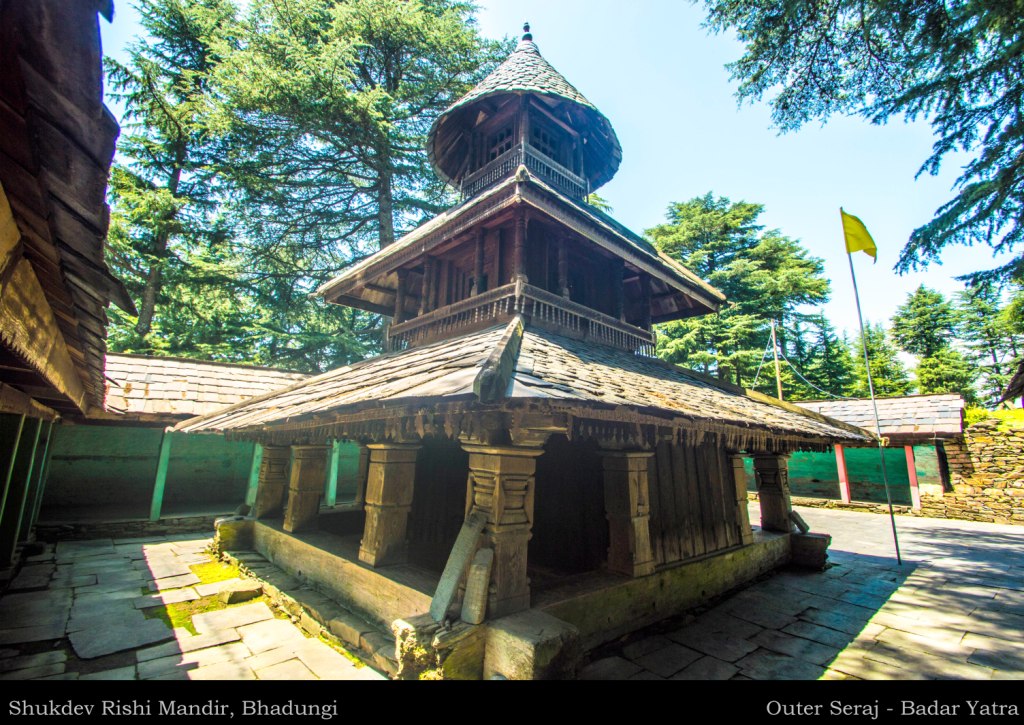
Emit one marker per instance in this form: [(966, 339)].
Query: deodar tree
[(959, 64)]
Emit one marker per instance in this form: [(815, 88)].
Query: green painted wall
[(115, 466), (815, 475)]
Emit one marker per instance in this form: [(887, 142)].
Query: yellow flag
[(857, 237)]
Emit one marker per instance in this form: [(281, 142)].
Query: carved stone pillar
[(305, 486), (772, 474), (501, 484), (628, 510), (389, 486), (273, 482), (739, 477)]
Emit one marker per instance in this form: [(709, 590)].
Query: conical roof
[(526, 71)]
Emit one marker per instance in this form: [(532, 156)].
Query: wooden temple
[(519, 411)]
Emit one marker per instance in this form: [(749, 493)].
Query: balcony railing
[(544, 309), (505, 165)]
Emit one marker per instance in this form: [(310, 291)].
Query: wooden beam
[(15, 401), (163, 462), (331, 487), (17, 493), (254, 475), (844, 476), (44, 472), (12, 453), (496, 372), (915, 491)]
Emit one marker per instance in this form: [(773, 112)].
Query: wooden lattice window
[(499, 143), (546, 141)]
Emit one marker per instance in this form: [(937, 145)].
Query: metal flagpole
[(874, 405)]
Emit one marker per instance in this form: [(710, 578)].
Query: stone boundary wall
[(986, 474)]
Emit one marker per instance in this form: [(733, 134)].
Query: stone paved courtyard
[(954, 610), (79, 611)]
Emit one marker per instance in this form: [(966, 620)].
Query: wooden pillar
[(772, 474), (403, 279), (519, 248), (254, 475), (35, 485), (645, 291), (17, 492), (844, 475), (617, 272), (273, 482), (389, 488), (501, 484), (478, 264), (628, 510), (305, 487), (163, 463), (16, 427), (739, 477), (563, 266), (915, 491), (44, 473), (426, 286)]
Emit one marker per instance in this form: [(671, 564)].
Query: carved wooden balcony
[(550, 171), (541, 309)]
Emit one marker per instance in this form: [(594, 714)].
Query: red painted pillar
[(915, 493), (844, 477)]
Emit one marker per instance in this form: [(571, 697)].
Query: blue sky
[(660, 79)]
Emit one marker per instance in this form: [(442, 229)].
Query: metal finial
[(527, 35)]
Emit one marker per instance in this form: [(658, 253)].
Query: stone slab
[(270, 634), (174, 582), (234, 652), (240, 591), (173, 596), (26, 661), (231, 617), (292, 669), (610, 668), (645, 646), (667, 661), (119, 673), (187, 642), (271, 657), (96, 642), (707, 668), (34, 673), (802, 649), (223, 671), (208, 590), (324, 661), (40, 633)]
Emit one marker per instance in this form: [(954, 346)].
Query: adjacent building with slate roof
[(907, 420), (921, 425), (121, 466), (519, 420)]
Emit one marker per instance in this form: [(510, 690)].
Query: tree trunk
[(385, 201), (154, 279)]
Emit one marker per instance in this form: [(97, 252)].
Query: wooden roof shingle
[(548, 368), (906, 419), (176, 388)]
